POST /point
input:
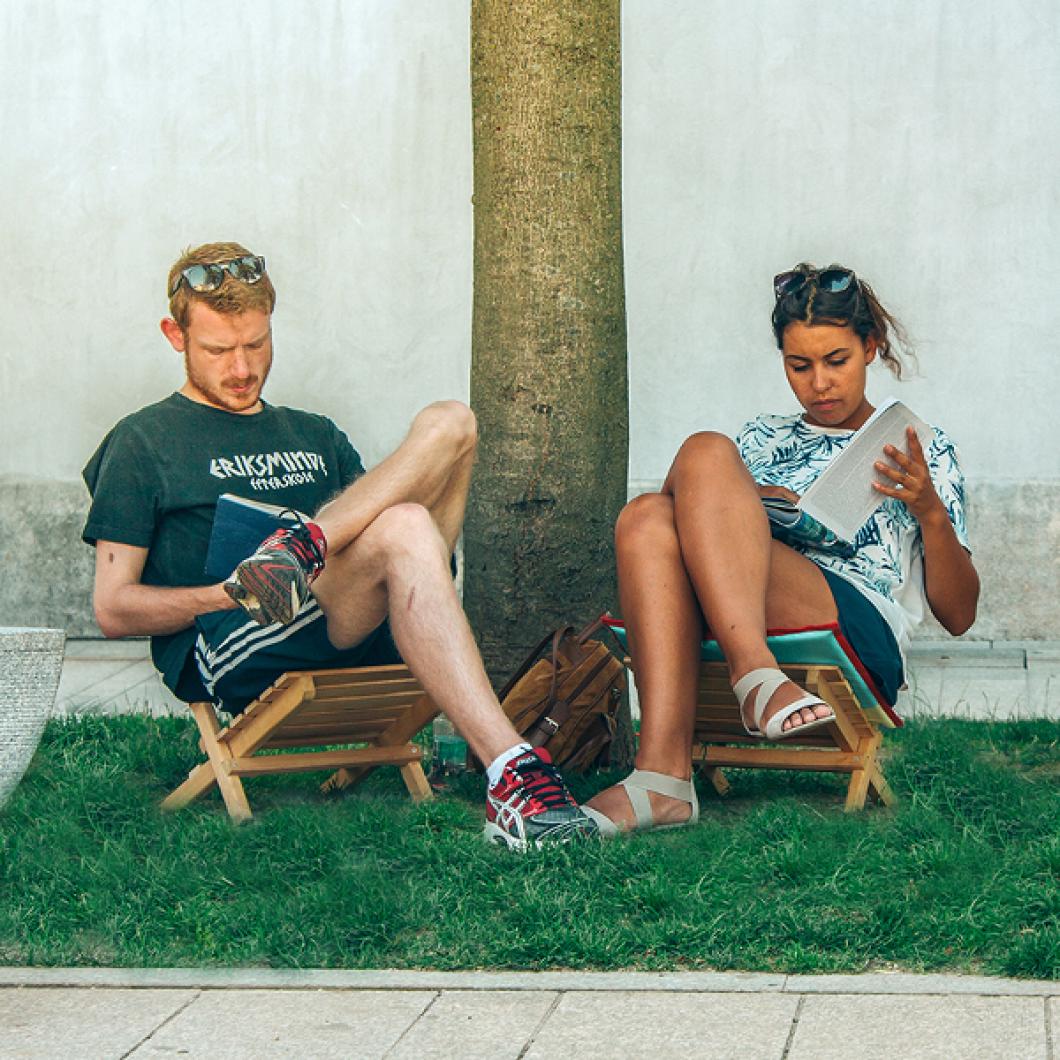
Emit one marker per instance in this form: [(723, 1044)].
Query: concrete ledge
[(982, 680), (400, 979), (1013, 527)]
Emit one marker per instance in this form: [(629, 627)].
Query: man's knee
[(449, 423), (404, 529)]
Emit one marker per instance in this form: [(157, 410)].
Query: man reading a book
[(376, 553)]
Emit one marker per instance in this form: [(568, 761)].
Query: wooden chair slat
[(316, 737), (313, 725), (850, 745), (330, 693), (320, 760), (341, 716), (381, 706)]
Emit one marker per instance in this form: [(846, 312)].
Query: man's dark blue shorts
[(237, 659)]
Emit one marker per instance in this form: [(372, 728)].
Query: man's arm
[(125, 607)]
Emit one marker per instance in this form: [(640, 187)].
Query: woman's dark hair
[(857, 307)]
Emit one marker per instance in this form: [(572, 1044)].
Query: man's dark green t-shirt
[(156, 477)]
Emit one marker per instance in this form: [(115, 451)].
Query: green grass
[(961, 875)]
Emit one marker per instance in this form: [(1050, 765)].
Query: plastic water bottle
[(449, 751)]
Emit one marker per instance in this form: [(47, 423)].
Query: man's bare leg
[(398, 568), (431, 467)]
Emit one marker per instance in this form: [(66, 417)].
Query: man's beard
[(224, 398)]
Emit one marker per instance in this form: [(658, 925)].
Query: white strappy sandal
[(637, 786), (767, 680)]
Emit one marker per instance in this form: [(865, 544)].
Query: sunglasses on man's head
[(205, 278), (833, 280)]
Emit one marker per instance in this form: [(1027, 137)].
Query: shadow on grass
[(961, 875)]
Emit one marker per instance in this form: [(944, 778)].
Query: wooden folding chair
[(381, 707), (821, 661)]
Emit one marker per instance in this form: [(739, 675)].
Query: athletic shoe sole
[(494, 834), (265, 599)]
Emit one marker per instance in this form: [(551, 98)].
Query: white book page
[(842, 497)]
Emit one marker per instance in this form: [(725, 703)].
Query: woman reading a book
[(698, 556)]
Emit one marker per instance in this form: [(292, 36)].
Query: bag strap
[(556, 636), (549, 724), (595, 626), (558, 711)]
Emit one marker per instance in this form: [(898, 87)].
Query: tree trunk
[(548, 376)]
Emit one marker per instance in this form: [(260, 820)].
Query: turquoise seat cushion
[(812, 646)]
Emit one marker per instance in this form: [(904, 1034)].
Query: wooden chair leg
[(715, 775), (416, 781), (857, 790), (860, 779), (880, 788), (220, 755), (199, 781)]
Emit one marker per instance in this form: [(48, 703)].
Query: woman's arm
[(950, 579)]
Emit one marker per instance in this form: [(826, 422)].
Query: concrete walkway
[(116, 1013)]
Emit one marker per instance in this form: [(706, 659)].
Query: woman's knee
[(647, 519), (709, 446), (706, 453)]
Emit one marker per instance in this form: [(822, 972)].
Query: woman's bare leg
[(743, 580), (664, 627), (703, 548)]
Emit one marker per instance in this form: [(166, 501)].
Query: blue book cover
[(239, 526), (789, 523)]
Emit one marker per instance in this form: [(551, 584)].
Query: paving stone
[(113, 683), (84, 1023), (395, 979), (928, 1028), (925, 983), (1043, 682), (257, 1023), (1053, 1020), (496, 1024), (626, 1026)]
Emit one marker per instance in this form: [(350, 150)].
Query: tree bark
[(549, 375)]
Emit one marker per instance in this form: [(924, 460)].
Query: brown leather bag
[(566, 695)]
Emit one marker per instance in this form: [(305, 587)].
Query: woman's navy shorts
[(869, 635)]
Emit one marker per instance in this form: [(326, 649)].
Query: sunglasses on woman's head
[(834, 280), (205, 278)]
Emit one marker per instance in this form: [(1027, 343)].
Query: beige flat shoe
[(637, 786)]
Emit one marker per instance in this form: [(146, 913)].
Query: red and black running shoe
[(273, 583), (530, 805)]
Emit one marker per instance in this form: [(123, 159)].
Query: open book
[(239, 526), (837, 505)]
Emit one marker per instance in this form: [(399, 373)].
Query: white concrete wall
[(918, 142), (334, 137)]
